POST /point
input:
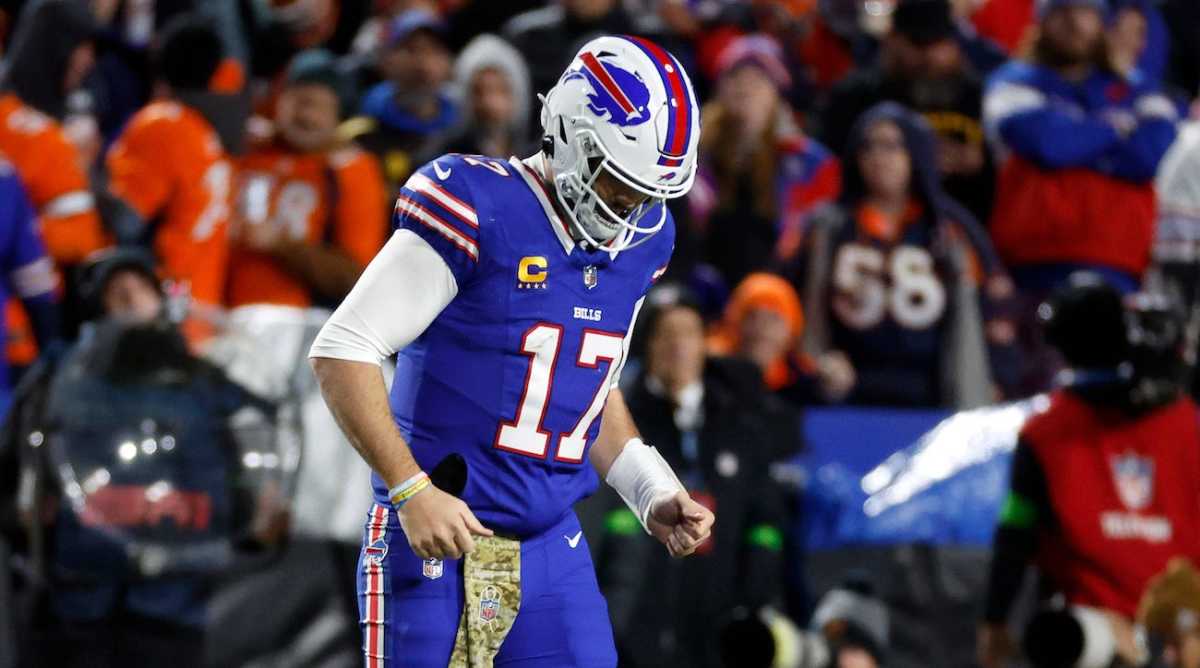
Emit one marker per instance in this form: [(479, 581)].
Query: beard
[(1052, 54)]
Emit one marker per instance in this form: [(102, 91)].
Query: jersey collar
[(532, 170)]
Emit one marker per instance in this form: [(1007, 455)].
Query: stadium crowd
[(888, 191)]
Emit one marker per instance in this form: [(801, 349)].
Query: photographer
[(133, 471), (1104, 482)]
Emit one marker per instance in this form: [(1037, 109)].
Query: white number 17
[(525, 434)]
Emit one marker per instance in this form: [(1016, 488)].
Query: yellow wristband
[(400, 497)]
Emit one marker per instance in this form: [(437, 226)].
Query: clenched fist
[(681, 524)]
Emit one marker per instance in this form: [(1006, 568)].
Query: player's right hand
[(439, 526)]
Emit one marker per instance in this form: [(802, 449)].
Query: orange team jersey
[(49, 167), (168, 165), (337, 197)]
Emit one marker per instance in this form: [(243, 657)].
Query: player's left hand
[(681, 524)]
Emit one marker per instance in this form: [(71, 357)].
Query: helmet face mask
[(612, 123), (595, 219)]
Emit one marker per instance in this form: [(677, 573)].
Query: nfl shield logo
[(375, 552), (589, 276), (431, 568), (1134, 478), (489, 604)]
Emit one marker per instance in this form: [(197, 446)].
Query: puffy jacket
[(1077, 164)]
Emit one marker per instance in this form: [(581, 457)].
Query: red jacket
[(1125, 493)]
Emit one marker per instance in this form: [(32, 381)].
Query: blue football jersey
[(513, 374)]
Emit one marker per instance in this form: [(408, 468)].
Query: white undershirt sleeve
[(399, 294)]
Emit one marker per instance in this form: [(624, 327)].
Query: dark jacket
[(667, 612)]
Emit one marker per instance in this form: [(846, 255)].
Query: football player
[(509, 290)]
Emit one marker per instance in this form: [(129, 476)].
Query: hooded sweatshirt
[(491, 52), (47, 34), (907, 303)]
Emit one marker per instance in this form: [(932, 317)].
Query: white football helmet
[(624, 107)]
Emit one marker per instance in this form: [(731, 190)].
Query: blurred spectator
[(1169, 609), (903, 280), (407, 118), (280, 29), (122, 543), (811, 46), (168, 173), (1176, 253), (311, 210), (52, 53), (759, 175), (494, 83), (762, 324), (1105, 480), (711, 420), (1137, 42), (1063, 123), (923, 66), (550, 36)]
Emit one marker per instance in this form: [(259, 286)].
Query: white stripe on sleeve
[(1006, 99), (69, 204), (34, 279)]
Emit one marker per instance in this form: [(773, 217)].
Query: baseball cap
[(408, 22), (318, 66)]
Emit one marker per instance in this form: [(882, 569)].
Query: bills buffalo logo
[(618, 95), (375, 552), (1134, 479), (489, 604)]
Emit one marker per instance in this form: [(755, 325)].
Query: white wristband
[(642, 478)]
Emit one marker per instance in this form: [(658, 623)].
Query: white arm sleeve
[(398, 295)]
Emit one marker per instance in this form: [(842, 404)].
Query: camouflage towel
[(492, 584)]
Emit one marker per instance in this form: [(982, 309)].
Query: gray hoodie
[(490, 51)]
